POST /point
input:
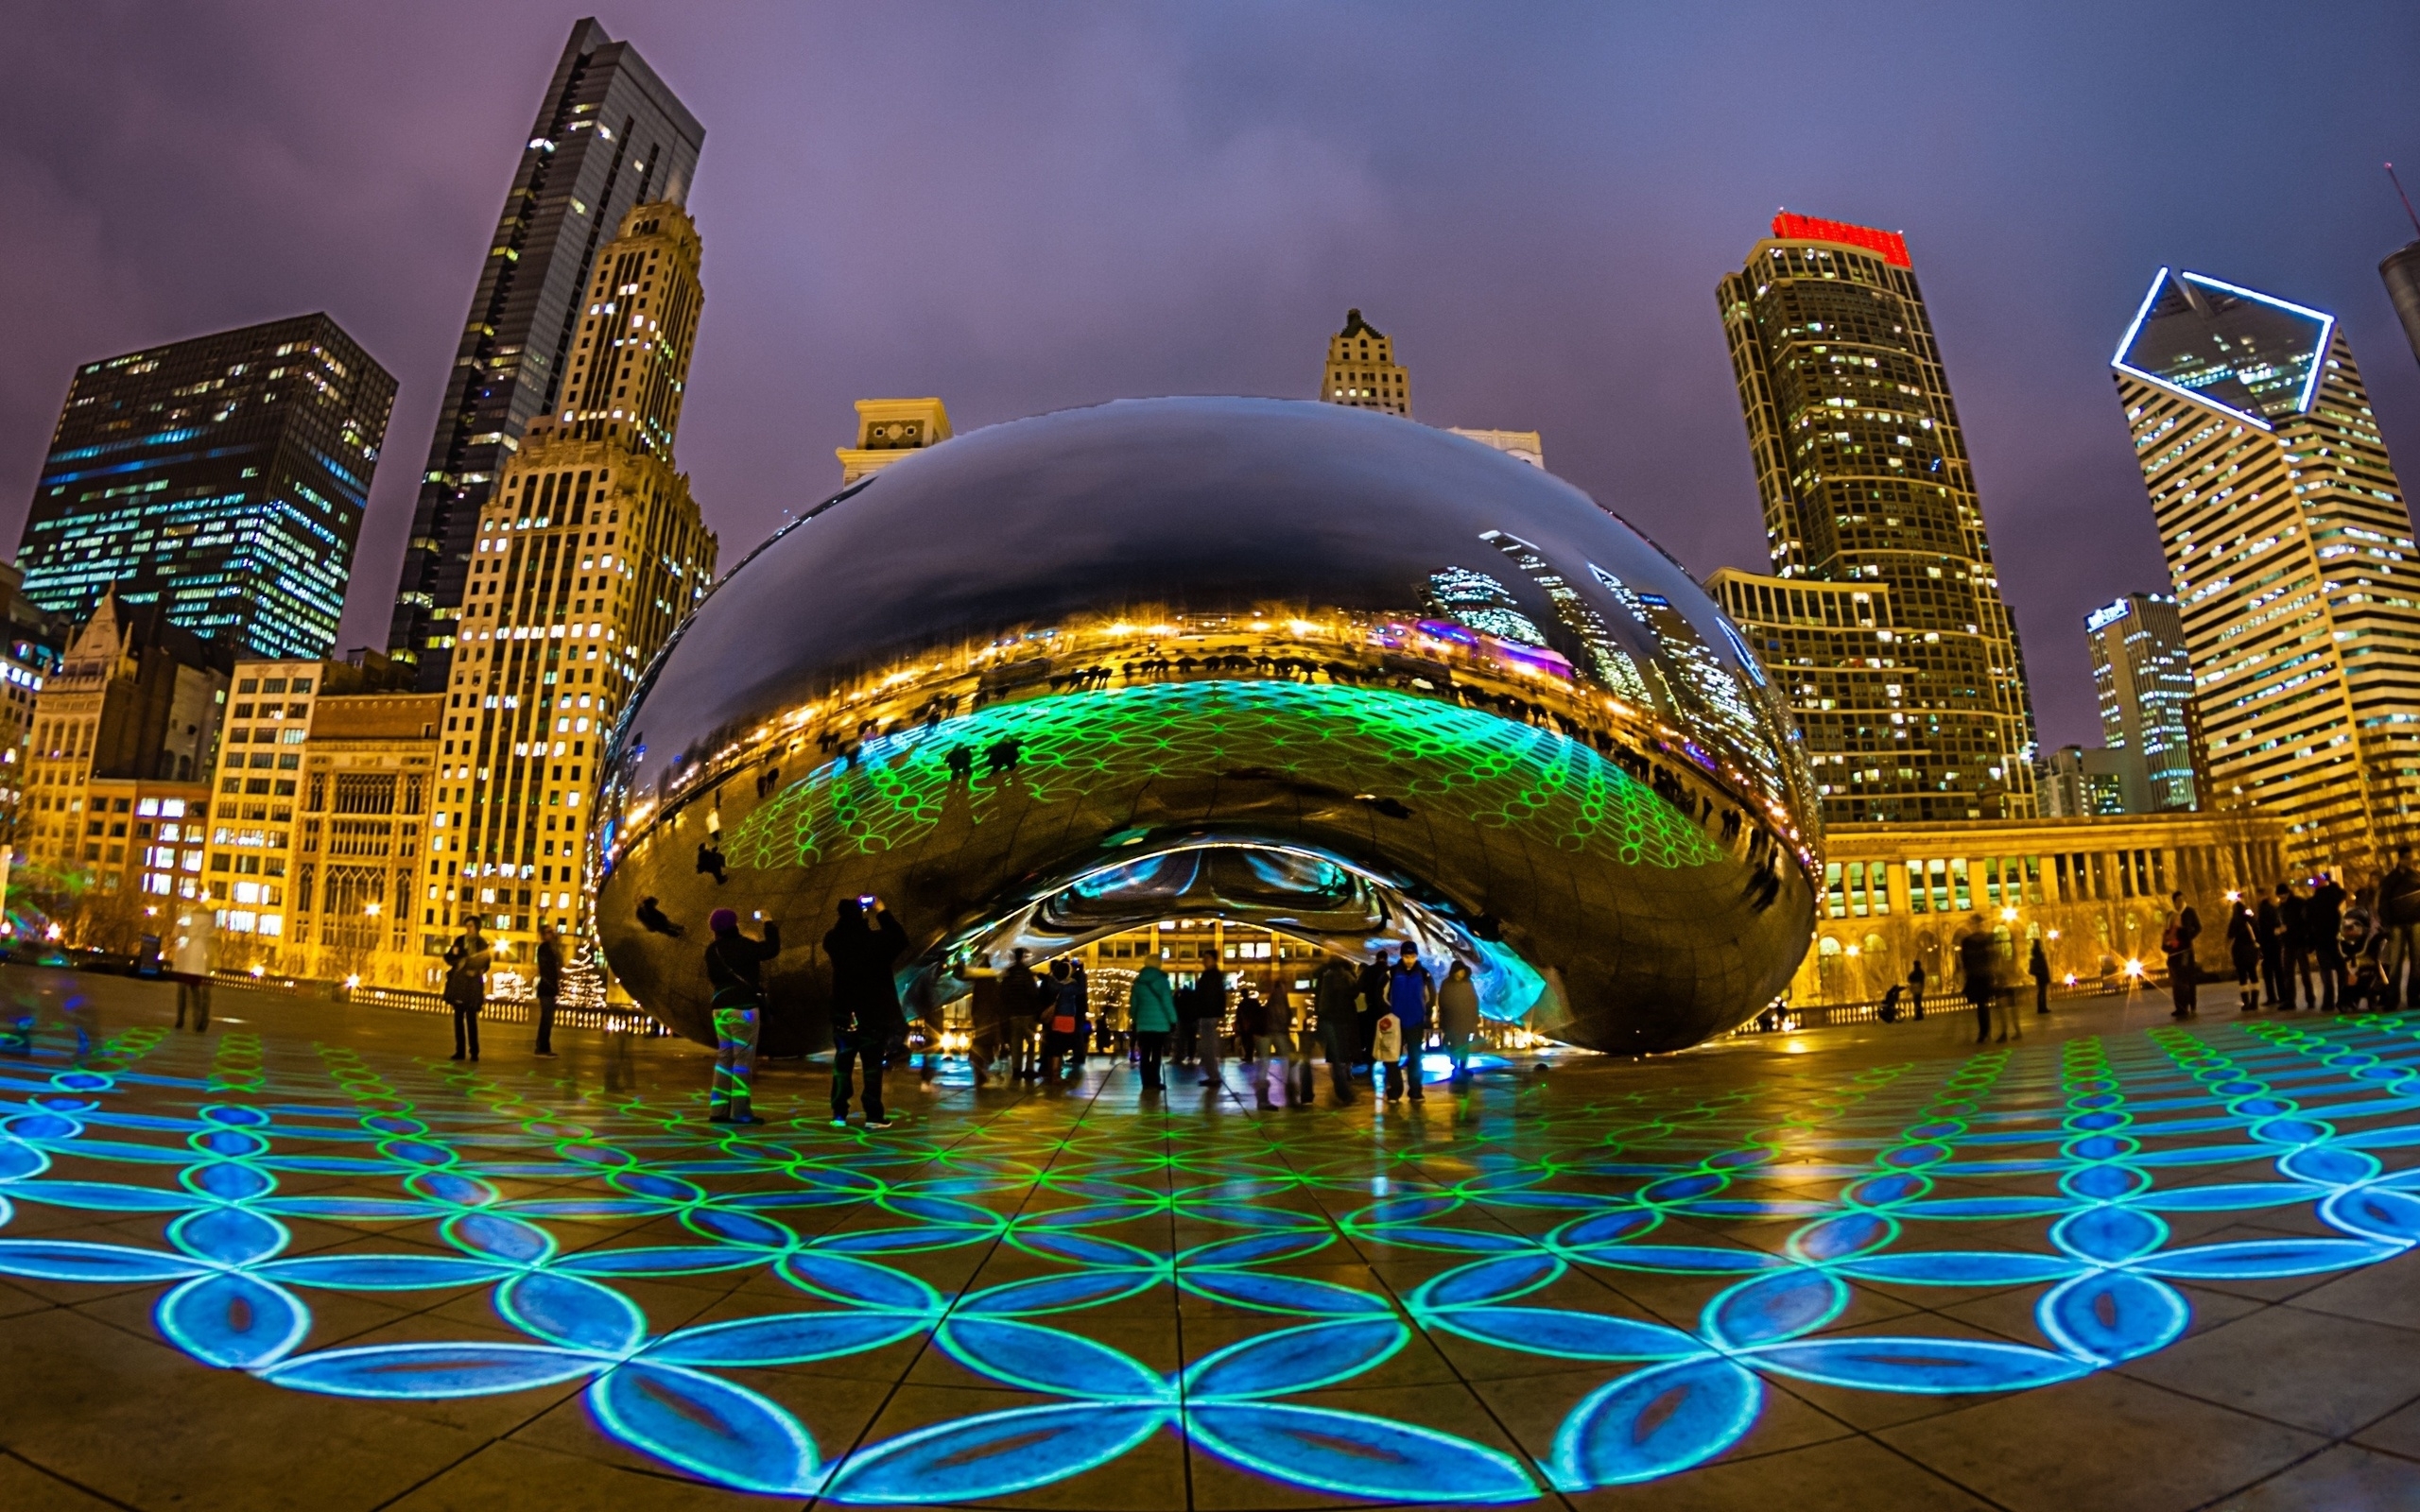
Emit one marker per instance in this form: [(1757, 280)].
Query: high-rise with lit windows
[(2145, 683), (123, 734), (223, 478), (2290, 548), (590, 551), (1361, 370), (1882, 619), (608, 135)]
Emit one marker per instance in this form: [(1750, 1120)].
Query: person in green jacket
[(1153, 1005), (1336, 1006)]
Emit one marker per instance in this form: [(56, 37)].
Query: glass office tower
[(2144, 681), (1904, 669), (609, 136), (222, 477), (2290, 547)]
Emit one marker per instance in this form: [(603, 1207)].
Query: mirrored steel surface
[(1313, 668)]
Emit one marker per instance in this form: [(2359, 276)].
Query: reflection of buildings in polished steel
[(1305, 670)]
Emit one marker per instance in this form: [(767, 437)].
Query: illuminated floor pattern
[(1485, 768), (1029, 1295)]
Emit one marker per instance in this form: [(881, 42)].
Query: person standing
[(2269, 933), (1291, 1026), (1373, 1003), (1458, 1017), (1021, 998), (2183, 975), (1335, 999), (1975, 963), (195, 955), (1252, 1042), (2324, 912), (550, 986), (466, 985), (1209, 1006), (2293, 910), (864, 944), (2243, 951), (733, 963), (1076, 1000), (1152, 1004), (2399, 917), (1410, 993), (1916, 989), (2037, 966)]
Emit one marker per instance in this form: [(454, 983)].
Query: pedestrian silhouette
[(651, 920)]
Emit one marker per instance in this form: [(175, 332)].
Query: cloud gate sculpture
[(1310, 668)]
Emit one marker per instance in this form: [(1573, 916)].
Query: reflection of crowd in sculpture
[(1373, 1024)]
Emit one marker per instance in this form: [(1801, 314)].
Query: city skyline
[(1280, 225)]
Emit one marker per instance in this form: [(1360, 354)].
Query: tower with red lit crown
[(1882, 616)]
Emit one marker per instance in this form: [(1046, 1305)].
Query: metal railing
[(1792, 1018), (633, 1019)]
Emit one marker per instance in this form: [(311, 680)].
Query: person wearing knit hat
[(733, 963)]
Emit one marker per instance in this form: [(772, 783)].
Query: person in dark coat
[(1022, 997), (1335, 999), (1975, 963), (466, 986), (2183, 975), (1375, 977), (1207, 1003), (2037, 966), (2243, 950), (550, 986), (1916, 988), (710, 861), (733, 963), (2269, 933), (2399, 918), (2324, 915), (864, 947), (2293, 913)]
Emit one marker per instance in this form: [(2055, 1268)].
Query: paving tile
[(2314, 1371), (2344, 1477), (2116, 1443)]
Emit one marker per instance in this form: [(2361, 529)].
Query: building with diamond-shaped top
[(2290, 548)]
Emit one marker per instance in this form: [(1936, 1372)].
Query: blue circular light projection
[(1522, 1228)]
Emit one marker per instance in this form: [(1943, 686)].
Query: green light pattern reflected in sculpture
[(1478, 767)]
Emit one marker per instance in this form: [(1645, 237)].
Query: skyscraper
[(609, 135), (2145, 683), (223, 478), (1361, 370), (587, 554), (2290, 550), (1883, 621)]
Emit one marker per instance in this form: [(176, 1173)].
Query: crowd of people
[(2308, 946), (1369, 1021)]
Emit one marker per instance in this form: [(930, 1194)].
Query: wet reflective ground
[(301, 1262)]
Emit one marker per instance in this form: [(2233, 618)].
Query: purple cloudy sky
[(1025, 207)]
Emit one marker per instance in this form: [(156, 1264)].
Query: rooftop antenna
[(2406, 198)]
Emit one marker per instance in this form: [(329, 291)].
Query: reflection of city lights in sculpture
[(1883, 1175), (1294, 666)]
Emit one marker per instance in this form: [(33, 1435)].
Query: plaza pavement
[(304, 1262)]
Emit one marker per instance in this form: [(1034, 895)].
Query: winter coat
[(1336, 995), (466, 971), (197, 942), (550, 970), (865, 996), (1153, 1001), (732, 966), (1021, 993), (1410, 990), (1457, 1007), (1208, 999)]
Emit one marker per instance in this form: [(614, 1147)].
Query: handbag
[(1063, 1023)]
